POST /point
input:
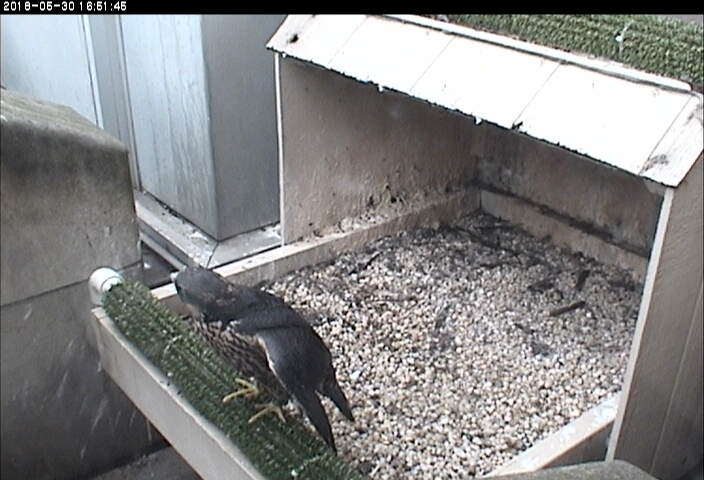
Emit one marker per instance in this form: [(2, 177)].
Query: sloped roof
[(647, 125)]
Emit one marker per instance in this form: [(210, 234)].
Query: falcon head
[(199, 287)]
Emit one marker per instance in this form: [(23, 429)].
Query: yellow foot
[(250, 390), (267, 408)]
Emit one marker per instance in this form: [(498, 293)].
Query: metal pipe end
[(100, 281)]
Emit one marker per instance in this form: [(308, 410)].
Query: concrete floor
[(156, 269)]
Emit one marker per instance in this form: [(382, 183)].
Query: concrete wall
[(611, 204), (240, 73), (66, 209), (347, 146)]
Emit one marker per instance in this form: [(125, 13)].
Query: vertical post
[(659, 424), (280, 143)]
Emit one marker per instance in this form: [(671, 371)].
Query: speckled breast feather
[(243, 353)]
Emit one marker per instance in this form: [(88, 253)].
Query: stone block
[(67, 205)]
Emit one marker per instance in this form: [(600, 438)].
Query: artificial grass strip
[(278, 450), (653, 43)]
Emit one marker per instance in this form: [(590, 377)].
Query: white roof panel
[(301, 35), (479, 79), (672, 158), (644, 124), (391, 54), (602, 116)]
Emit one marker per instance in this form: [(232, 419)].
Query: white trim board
[(655, 428), (581, 440)]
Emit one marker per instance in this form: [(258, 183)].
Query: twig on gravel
[(360, 268), (568, 308)]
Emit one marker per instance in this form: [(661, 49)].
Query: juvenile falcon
[(262, 337)]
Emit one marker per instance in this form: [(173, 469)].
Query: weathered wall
[(347, 148), (65, 208), (66, 204), (611, 204)]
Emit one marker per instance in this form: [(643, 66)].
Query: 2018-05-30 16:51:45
[(65, 6)]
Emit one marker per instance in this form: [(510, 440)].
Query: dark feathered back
[(218, 299), (294, 353)]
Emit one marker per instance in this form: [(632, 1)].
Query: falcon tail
[(332, 390), (310, 403)]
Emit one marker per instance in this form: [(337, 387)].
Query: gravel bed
[(461, 346)]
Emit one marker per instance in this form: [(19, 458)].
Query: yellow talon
[(267, 408), (250, 390)]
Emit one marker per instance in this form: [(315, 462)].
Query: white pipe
[(100, 281)]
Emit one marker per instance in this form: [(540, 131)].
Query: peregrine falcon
[(262, 337)]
